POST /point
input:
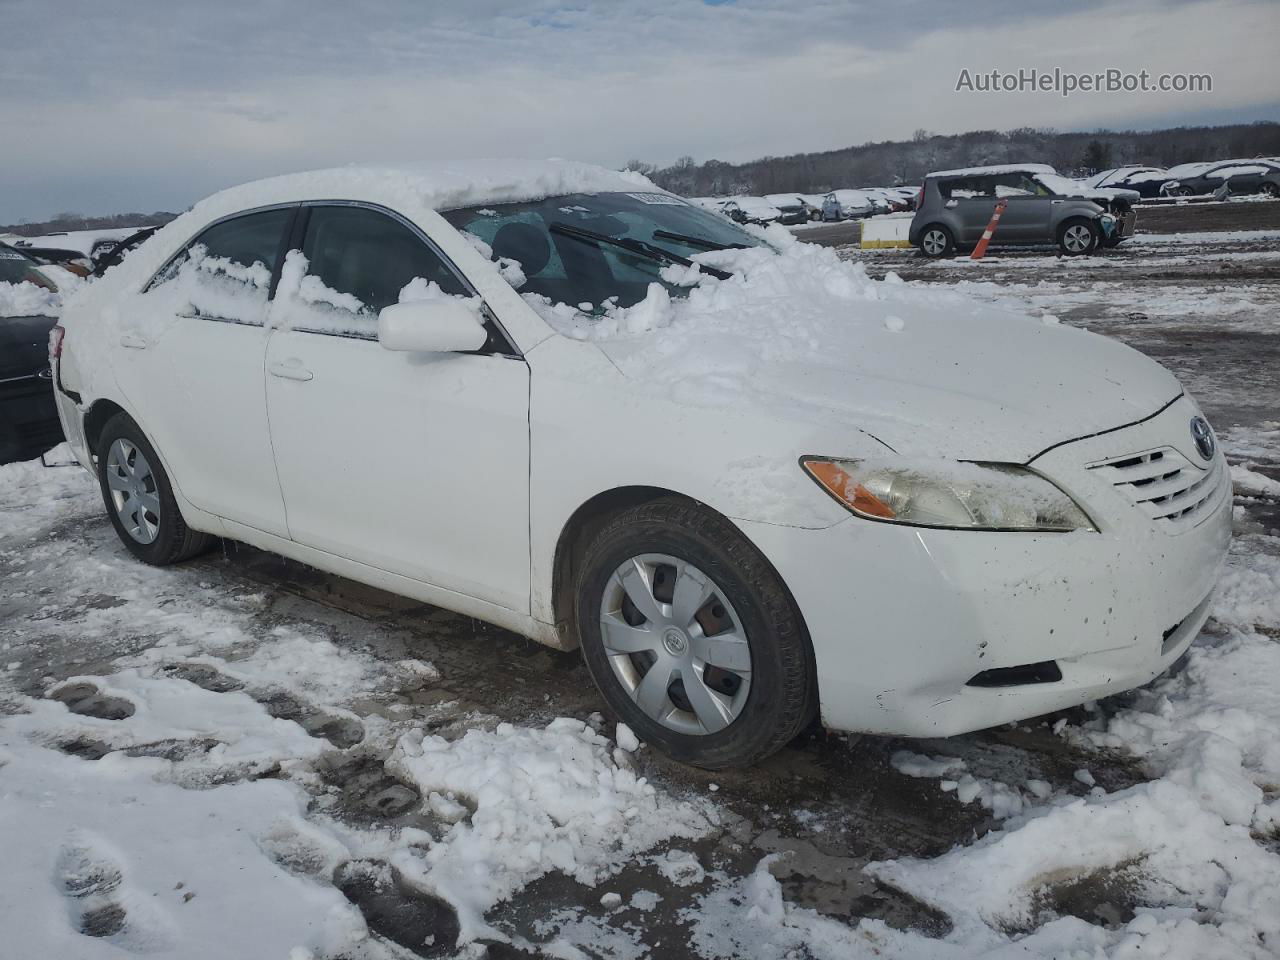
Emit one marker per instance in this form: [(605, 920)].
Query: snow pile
[(27, 299), (1183, 857), (1214, 727), (35, 494), (545, 800), (751, 918), (214, 735), (120, 848), (1001, 799)]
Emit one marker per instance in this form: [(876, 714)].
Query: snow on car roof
[(998, 168), (753, 203), (439, 186)]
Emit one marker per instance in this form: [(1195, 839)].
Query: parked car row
[(1259, 175), (790, 209), (85, 253), (1038, 207)]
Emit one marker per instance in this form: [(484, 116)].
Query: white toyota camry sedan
[(752, 484)]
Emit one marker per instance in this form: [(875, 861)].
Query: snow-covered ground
[(240, 757)]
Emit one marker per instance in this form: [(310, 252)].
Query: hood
[(929, 372), (1066, 187), (984, 386)]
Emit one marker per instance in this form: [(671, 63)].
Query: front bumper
[(903, 618)]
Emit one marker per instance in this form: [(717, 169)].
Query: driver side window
[(354, 262)]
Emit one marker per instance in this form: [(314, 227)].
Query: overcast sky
[(150, 105)]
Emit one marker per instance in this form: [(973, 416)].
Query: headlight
[(944, 493)]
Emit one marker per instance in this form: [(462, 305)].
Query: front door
[(417, 464)]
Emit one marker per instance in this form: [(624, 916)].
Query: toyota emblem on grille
[(1203, 437)]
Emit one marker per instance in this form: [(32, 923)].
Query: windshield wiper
[(647, 250), (697, 241)]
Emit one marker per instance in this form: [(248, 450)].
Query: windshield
[(17, 268), (558, 258)]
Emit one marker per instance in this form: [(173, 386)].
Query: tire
[(1071, 237), (741, 596), (130, 468), (1269, 189), (937, 241)]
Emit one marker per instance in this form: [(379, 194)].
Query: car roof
[(439, 186), (995, 169)]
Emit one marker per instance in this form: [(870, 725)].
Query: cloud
[(162, 102)]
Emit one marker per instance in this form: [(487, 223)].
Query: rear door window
[(225, 273)]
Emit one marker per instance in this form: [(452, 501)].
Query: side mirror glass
[(432, 326)]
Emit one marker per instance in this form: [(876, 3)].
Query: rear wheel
[(937, 241), (1078, 237), (1269, 189), (139, 497), (692, 638)]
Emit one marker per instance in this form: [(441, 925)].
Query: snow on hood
[(799, 332)]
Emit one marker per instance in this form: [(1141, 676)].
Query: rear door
[(975, 201), (195, 379), (417, 464)]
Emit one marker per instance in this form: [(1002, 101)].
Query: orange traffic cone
[(981, 249)]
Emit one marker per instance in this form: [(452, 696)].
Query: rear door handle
[(290, 371), (133, 341)]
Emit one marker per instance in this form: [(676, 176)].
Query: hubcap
[(133, 491), (1077, 238), (676, 644), (934, 242)]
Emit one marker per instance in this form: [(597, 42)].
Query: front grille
[(1166, 486)]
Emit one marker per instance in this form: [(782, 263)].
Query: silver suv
[(955, 207)]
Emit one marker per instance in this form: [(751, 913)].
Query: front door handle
[(133, 341), (292, 370)]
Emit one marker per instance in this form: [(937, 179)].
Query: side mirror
[(431, 326)]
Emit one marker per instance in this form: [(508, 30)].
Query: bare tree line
[(896, 162)]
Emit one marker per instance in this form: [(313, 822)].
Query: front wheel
[(1269, 189), (1078, 237), (139, 497), (692, 638)]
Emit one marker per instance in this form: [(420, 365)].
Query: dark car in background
[(1238, 176), (28, 418), (791, 206), (1041, 207), (1146, 181)]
